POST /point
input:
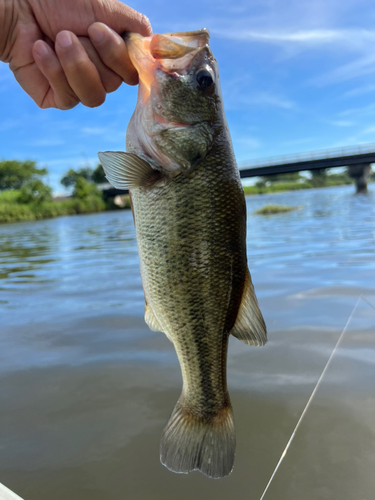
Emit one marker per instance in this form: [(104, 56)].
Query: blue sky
[(296, 76)]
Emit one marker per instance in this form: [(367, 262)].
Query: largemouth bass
[(190, 217)]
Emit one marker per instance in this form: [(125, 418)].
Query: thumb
[(121, 17)]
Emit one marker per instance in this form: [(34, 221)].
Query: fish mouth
[(176, 45), (161, 51)]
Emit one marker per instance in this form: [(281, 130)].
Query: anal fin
[(249, 326), (151, 320), (153, 323)]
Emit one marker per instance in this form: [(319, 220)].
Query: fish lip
[(202, 31)]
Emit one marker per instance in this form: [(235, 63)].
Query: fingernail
[(64, 39), (40, 48), (96, 33)]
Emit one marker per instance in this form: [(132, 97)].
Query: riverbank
[(11, 210), (280, 187)]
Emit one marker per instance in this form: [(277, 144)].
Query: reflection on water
[(86, 387)]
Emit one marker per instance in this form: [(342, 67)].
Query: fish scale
[(195, 303), (190, 217)]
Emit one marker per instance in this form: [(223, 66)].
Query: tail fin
[(193, 442)]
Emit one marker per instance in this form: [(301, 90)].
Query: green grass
[(275, 209), (12, 211), (277, 187)]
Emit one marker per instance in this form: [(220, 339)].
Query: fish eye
[(204, 78)]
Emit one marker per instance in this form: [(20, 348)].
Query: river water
[(86, 388)]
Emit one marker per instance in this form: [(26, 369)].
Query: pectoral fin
[(249, 326), (126, 170)]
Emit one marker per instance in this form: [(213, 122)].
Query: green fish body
[(190, 217)]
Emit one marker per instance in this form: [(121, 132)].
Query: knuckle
[(145, 22), (66, 101), (94, 101), (77, 64), (111, 56), (131, 78), (68, 105), (112, 84), (55, 73), (43, 105)]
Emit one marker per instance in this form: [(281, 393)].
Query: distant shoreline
[(283, 187), (11, 211)]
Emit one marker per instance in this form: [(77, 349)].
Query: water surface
[(86, 388)]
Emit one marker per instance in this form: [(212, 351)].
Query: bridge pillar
[(360, 172)]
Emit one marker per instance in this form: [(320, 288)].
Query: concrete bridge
[(357, 159)]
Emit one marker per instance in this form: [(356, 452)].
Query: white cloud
[(363, 89), (249, 142), (94, 130), (10, 123), (73, 162), (354, 69), (53, 141), (359, 112), (238, 97), (296, 142), (308, 37), (369, 130), (342, 123), (352, 39), (269, 99), (341, 42), (360, 139)]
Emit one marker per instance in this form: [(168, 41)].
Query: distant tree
[(14, 174), (35, 191), (318, 177), (261, 183), (98, 175), (84, 189), (339, 177), (288, 176), (70, 178)]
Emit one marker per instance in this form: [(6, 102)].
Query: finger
[(80, 72), (58, 93), (121, 18), (113, 52), (110, 80)]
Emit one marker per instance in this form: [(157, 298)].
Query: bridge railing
[(310, 156)]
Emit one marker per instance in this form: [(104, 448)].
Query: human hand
[(63, 52)]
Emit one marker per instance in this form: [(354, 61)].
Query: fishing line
[(367, 301), (310, 399), (7, 494)]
